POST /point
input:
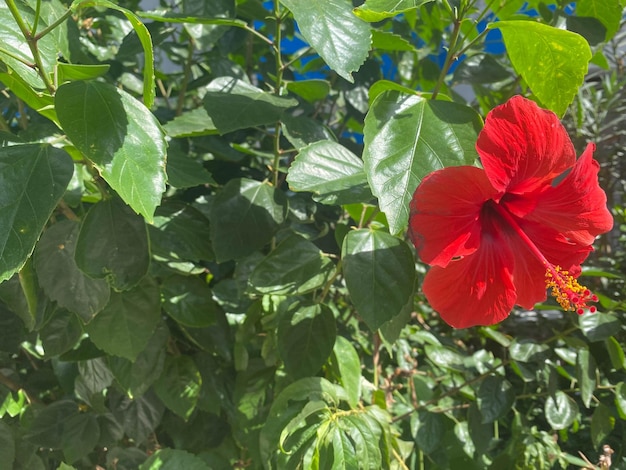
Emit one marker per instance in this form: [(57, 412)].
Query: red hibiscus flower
[(498, 236)]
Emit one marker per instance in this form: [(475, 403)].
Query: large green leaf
[(586, 373), (46, 428), (378, 10), (408, 137), (348, 364), (33, 179), (144, 37), (295, 267), (120, 136), (59, 276), (552, 61), (340, 38), (80, 436), (608, 12), (234, 104), (602, 423), (598, 326), (126, 324), (60, 333), (113, 243), (561, 411), (306, 335), (179, 385), (332, 172), (246, 214), (139, 416), (380, 274)]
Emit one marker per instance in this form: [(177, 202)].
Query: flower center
[(568, 292)]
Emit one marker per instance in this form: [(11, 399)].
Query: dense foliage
[(203, 251)]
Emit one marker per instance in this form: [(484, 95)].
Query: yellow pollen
[(568, 292)]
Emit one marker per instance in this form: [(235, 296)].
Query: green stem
[(31, 40), (450, 56), (61, 19), (279, 83), (37, 16), (330, 282), (13, 56)]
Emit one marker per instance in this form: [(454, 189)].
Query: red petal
[(443, 223), (475, 290), (576, 207), (523, 147)]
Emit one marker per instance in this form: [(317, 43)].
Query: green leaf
[(602, 423), (330, 171), (186, 172), (180, 232), (386, 41), (60, 333), (249, 214), (190, 124), (528, 351), (123, 140), (295, 267), (137, 376), (189, 301), (306, 335), (71, 72), (561, 411), (126, 324), (33, 179), (586, 374), (206, 35), (310, 90), (444, 357), (348, 364), (495, 398), (179, 385), (144, 37), (7, 445), (608, 12), (428, 430), (598, 326), (408, 137), (616, 353), (330, 27), (380, 274), (49, 423), (233, 104), (41, 102), (59, 276), (553, 62), (80, 436), (173, 459), (303, 130), (620, 399), (139, 416), (113, 244), (378, 10)]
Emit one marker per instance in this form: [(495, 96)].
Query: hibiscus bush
[(312, 234)]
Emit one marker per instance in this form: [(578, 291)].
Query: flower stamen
[(568, 292)]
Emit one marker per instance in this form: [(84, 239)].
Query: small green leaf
[(616, 353), (190, 124), (180, 232), (303, 130), (602, 423), (386, 41), (340, 38), (620, 399), (379, 10), (189, 301), (47, 427), (33, 179), (561, 411), (144, 37), (598, 326), (137, 376), (495, 398), (444, 357), (295, 267), (586, 374), (552, 61), (184, 171), (608, 12), (139, 416), (126, 324), (7, 445), (348, 364), (428, 430), (71, 72), (311, 90), (330, 171), (60, 277), (247, 214), (173, 459), (179, 385), (113, 244), (528, 351), (123, 139), (60, 333), (80, 435), (408, 137), (380, 274), (233, 104), (306, 335)]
